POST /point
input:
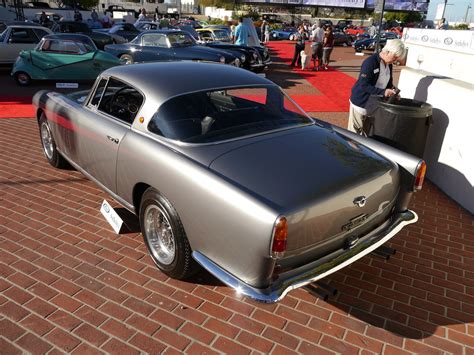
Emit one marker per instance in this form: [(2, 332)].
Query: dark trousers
[(296, 56)]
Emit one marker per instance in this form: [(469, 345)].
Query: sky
[(455, 10)]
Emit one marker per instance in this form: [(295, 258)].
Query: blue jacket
[(241, 35), (365, 85)]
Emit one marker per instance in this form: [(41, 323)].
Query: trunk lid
[(326, 185)]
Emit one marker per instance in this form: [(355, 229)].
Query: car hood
[(295, 169)]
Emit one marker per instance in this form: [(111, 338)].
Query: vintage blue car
[(282, 33), (166, 45), (62, 57)]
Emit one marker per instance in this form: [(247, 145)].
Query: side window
[(23, 35), (206, 34), (154, 40), (121, 101), (40, 33), (98, 93)]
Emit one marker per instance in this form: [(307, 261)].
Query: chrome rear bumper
[(316, 270)]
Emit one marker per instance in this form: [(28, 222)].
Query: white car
[(16, 38)]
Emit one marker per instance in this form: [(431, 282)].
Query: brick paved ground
[(69, 284)]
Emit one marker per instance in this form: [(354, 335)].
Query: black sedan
[(100, 39), (166, 45), (342, 39), (255, 58)]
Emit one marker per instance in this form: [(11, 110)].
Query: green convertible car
[(62, 57)]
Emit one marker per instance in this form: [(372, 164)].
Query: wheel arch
[(39, 112), (138, 191)]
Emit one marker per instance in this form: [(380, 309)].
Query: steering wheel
[(115, 102)]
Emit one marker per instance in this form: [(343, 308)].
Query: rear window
[(66, 46), (213, 116)]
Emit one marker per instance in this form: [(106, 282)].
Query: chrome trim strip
[(311, 272)]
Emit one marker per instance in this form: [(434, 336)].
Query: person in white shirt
[(106, 21), (372, 31), (267, 33), (317, 46), (141, 17)]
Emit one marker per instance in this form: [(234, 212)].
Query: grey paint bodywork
[(9, 51), (229, 194)]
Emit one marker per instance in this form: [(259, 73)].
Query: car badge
[(354, 222), (360, 201)]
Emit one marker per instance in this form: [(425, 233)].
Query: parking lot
[(70, 284)]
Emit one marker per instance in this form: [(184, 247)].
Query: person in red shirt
[(328, 44)]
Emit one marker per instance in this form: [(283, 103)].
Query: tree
[(405, 17)]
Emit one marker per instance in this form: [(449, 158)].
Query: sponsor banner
[(359, 4), (336, 3), (458, 41), (440, 11), (399, 5)]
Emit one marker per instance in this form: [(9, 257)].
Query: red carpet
[(16, 106), (334, 86)]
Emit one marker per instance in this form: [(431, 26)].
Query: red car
[(354, 31)]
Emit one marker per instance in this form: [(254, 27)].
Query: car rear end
[(338, 201)]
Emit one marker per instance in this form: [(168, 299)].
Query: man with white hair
[(375, 78)]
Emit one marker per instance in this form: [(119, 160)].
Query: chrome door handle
[(115, 140)]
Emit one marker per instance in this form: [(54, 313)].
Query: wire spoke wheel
[(160, 236), (164, 236), (47, 141)]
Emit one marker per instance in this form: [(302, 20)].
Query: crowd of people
[(93, 22), (321, 38)]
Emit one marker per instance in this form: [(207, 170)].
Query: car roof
[(160, 81), (24, 24), (164, 30), (68, 36)]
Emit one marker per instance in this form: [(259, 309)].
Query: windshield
[(2, 36), (218, 115), (180, 39), (221, 34)]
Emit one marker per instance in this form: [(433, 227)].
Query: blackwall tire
[(22, 79), (165, 237), (49, 144)]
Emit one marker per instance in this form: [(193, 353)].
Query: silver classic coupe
[(224, 170)]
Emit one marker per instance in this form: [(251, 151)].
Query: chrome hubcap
[(47, 140), (23, 79), (159, 235)]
